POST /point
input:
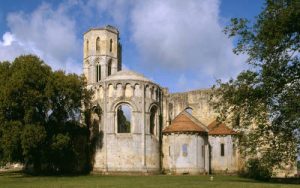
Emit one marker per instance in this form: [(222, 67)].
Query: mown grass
[(20, 180)]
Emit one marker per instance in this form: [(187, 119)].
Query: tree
[(40, 117), (263, 103)]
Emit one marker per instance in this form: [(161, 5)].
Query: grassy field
[(19, 180)]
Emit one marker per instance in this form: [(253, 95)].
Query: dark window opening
[(98, 44), (109, 68), (110, 45), (222, 150), (153, 119), (189, 110), (98, 73)]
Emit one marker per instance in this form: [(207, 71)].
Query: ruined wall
[(197, 100)]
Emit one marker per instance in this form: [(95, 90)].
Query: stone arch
[(110, 90), (96, 127), (120, 90), (128, 90), (148, 91), (153, 119), (137, 90), (95, 118), (101, 92), (117, 102), (153, 94)]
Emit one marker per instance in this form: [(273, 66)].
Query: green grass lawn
[(16, 179)]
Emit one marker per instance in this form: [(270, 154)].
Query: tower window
[(98, 73), (110, 45), (222, 150), (98, 44), (124, 118), (109, 68)]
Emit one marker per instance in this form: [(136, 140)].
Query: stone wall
[(197, 100), (229, 162), (185, 153), (137, 151)]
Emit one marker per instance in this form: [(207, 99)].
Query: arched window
[(110, 45), (109, 68), (184, 150), (189, 110), (98, 73), (98, 44), (153, 119), (124, 118)]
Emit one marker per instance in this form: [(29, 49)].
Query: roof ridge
[(184, 123)]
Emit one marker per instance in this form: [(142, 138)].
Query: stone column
[(144, 128), (105, 124), (207, 158)]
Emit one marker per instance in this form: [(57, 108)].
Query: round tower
[(101, 53)]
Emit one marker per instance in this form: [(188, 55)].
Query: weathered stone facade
[(133, 140)]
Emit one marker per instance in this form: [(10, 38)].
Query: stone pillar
[(144, 129), (207, 158), (105, 128)]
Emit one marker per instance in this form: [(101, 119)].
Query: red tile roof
[(218, 128), (185, 122)]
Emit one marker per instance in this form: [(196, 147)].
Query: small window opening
[(98, 73), (189, 110), (109, 68), (184, 150), (110, 45), (222, 150), (98, 44)]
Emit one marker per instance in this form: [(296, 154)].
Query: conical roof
[(185, 122), (219, 128)]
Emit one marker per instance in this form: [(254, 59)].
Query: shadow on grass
[(22, 174)]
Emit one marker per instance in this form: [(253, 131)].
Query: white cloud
[(8, 38), (46, 32), (184, 36)]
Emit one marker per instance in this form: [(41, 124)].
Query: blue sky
[(178, 44)]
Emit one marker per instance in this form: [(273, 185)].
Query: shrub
[(257, 171)]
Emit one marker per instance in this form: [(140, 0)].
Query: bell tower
[(101, 53)]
